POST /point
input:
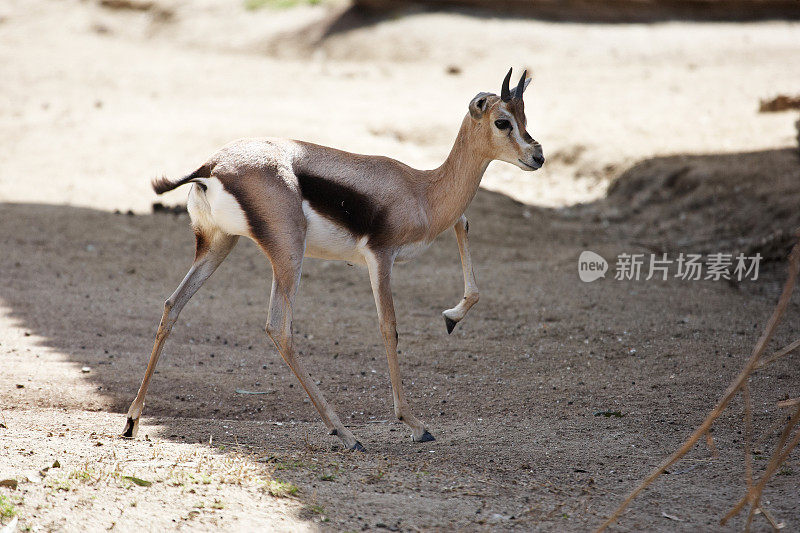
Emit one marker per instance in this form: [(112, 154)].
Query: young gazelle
[(297, 199)]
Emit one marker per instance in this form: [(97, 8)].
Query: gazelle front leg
[(456, 314), (380, 273)]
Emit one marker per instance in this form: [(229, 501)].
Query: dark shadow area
[(370, 12), (511, 395), (740, 202)]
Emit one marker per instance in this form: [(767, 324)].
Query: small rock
[(11, 483), (86, 370)]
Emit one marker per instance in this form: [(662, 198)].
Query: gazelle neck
[(452, 186)]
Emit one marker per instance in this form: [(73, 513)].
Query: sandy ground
[(96, 101)]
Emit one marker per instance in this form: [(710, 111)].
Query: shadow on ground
[(512, 396)]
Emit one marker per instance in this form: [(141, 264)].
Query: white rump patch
[(216, 209)]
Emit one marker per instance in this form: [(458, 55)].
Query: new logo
[(591, 266)]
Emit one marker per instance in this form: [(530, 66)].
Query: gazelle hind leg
[(380, 272), (212, 249), (285, 282)]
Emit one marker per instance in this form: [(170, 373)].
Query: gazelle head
[(501, 122)]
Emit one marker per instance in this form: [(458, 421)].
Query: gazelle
[(297, 199)]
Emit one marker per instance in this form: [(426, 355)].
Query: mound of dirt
[(744, 202), (782, 102)]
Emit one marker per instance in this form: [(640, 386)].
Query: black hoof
[(450, 323), (426, 437), (357, 447), (130, 428)]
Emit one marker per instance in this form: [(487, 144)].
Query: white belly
[(326, 240)]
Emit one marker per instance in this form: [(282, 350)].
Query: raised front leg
[(456, 314), (380, 273)]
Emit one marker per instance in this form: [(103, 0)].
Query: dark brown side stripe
[(343, 205)]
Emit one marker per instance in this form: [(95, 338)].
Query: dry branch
[(748, 436), (789, 403), (778, 457), (754, 491), (777, 355)]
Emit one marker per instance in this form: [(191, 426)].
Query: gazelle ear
[(527, 82), (478, 105)]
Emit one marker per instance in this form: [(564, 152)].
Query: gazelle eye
[(502, 124)]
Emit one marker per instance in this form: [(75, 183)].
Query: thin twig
[(771, 519), (773, 466), (730, 392), (778, 456), (748, 435), (752, 514), (780, 353)]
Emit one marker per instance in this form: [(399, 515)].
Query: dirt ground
[(95, 101)]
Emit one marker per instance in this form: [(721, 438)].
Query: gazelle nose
[(539, 159)]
